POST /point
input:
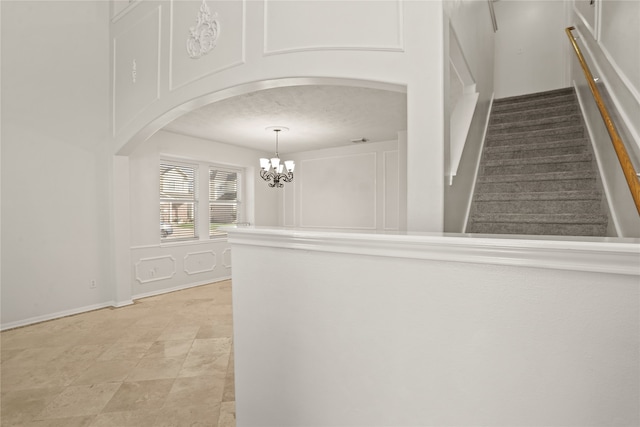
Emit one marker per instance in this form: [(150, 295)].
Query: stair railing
[(630, 174)]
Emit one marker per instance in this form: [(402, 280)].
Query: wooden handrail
[(629, 171)]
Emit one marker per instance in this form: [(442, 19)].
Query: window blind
[(223, 200), (178, 201)]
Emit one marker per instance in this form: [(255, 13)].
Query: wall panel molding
[(153, 269), (199, 262), (122, 11), (314, 25), (354, 207), (139, 43), (226, 258)]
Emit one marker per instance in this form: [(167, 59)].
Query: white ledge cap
[(591, 254)]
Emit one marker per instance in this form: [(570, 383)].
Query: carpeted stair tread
[(547, 145), (550, 176), (563, 158), (537, 165), (543, 149), (539, 229), (539, 196), (501, 107), (509, 116), (537, 135), (529, 218), (545, 123), (550, 94), (537, 168), (559, 206), (538, 186), (537, 173)]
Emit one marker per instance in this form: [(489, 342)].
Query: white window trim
[(202, 168)]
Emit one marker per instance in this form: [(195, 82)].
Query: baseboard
[(57, 315), (79, 310), (179, 287)]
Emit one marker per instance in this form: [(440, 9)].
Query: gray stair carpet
[(537, 174)]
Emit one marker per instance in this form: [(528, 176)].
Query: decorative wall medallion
[(134, 72), (204, 36)]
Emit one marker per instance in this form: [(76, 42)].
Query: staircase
[(537, 175)]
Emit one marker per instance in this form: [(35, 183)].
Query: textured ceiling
[(318, 116)]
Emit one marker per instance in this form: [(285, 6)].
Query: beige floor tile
[(175, 348), (140, 334), (130, 312), (82, 352), (50, 375), (65, 372), (196, 305), (227, 416), (22, 406), (207, 390), (8, 354), (36, 356), (82, 400), (156, 368), (23, 338), (156, 320), (125, 350), (179, 332), (215, 331), (210, 346), (106, 371), (139, 395), (83, 421), (141, 418), (64, 338), (205, 331), (229, 394), (219, 319), (208, 364), (101, 335), (188, 416)]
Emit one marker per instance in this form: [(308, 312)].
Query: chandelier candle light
[(274, 170)]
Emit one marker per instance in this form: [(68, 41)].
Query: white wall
[(157, 266), (620, 92), (471, 21), (531, 47), (335, 329), (55, 175), (353, 187)]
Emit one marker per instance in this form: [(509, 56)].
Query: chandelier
[(274, 171)]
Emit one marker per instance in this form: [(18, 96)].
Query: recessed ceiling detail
[(319, 116)]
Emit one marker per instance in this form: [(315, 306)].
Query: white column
[(120, 231)]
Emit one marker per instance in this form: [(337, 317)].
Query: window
[(224, 200), (178, 201)]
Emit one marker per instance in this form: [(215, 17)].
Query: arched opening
[(349, 172)]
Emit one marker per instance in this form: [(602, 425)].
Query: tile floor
[(167, 360)]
